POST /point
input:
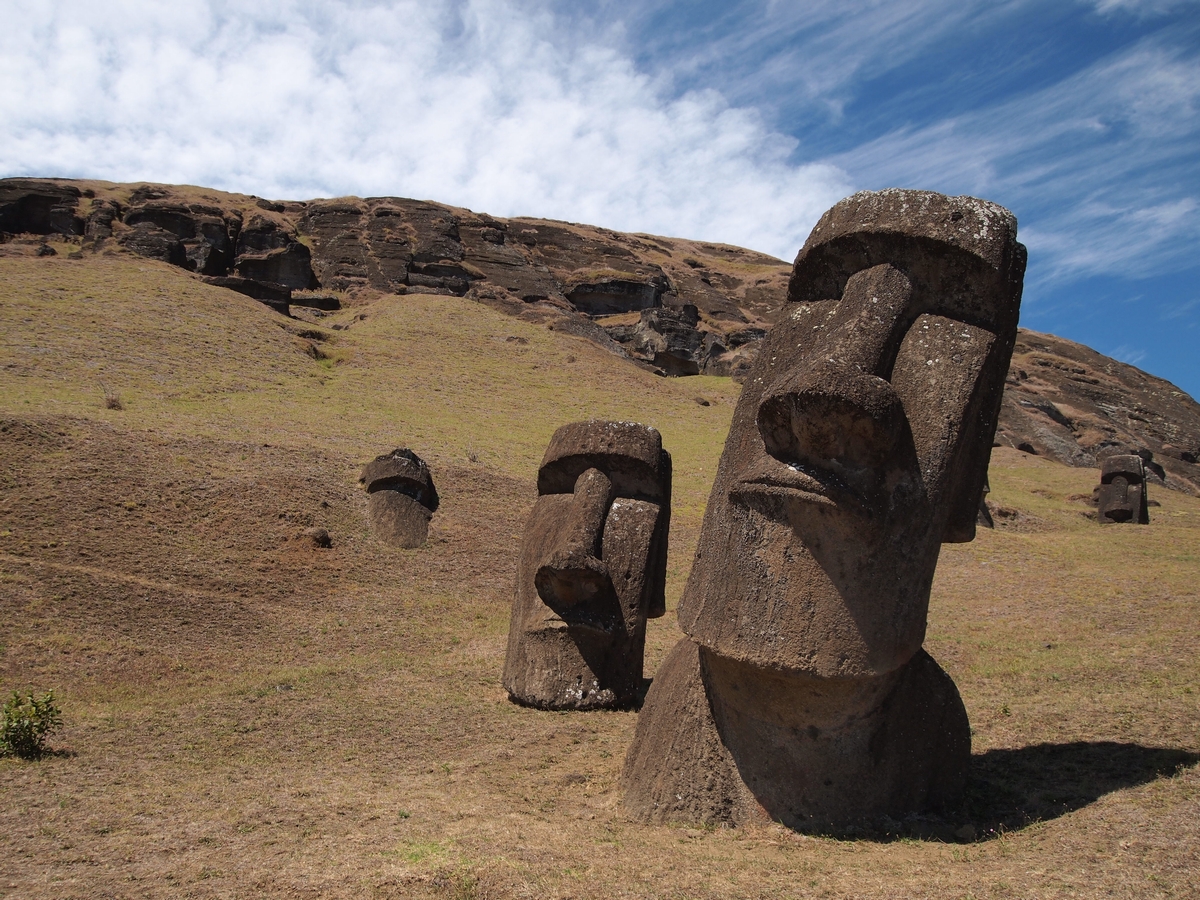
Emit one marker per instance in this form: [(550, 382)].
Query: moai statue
[(1121, 496), (403, 498), (860, 443), (592, 569)]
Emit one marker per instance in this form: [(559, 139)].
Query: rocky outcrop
[(1066, 402), (39, 206), (630, 293), (695, 299)]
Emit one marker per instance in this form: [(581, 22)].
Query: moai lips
[(592, 568), (402, 498), (859, 445), (1122, 493)]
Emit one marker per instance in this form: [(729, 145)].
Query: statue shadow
[(1010, 789)]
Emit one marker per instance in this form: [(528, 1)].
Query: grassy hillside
[(247, 715)]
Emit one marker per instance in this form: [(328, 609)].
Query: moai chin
[(859, 445), (402, 498), (592, 568), (1122, 493)]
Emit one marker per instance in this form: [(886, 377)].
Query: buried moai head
[(859, 445), (1121, 496), (862, 437), (592, 568), (402, 498)]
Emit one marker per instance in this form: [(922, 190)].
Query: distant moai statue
[(860, 443), (402, 498), (592, 568), (1121, 496)]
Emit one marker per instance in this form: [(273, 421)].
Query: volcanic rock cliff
[(677, 306)]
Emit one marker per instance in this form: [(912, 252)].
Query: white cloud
[(482, 103)]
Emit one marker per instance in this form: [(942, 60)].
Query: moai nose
[(835, 419), (839, 413), (573, 571)]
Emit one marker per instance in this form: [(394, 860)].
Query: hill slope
[(250, 715)]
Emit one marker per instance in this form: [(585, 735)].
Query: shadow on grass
[(1009, 789)]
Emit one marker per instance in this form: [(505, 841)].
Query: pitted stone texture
[(957, 252), (1121, 496), (592, 568), (859, 444), (814, 754), (403, 498)]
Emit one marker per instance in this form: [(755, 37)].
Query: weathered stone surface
[(1121, 496), (100, 218), (386, 244), (39, 206), (592, 568), (149, 240), (204, 232), (402, 498), (739, 753), (608, 295), (860, 444), (398, 520), (275, 296), (317, 537)]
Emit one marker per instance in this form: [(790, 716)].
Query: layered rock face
[(1066, 402), (592, 568), (576, 278), (859, 445), (675, 306), (402, 498)]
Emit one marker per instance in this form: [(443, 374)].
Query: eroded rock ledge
[(676, 306)]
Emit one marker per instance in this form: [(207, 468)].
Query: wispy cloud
[(1188, 312), (482, 103), (800, 52), (1127, 354), (1140, 7), (1099, 165)]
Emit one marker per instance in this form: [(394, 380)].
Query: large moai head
[(402, 498), (859, 445), (592, 568), (862, 437), (1121, 496)]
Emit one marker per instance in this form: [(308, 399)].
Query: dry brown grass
[(249, 716)]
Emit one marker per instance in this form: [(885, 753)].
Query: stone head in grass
[(402, 498), (1121, 496), (859, 445), (592, 568)]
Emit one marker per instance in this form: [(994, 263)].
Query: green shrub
[(28, 721)]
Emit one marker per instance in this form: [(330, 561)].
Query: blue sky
[(731, 121)]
